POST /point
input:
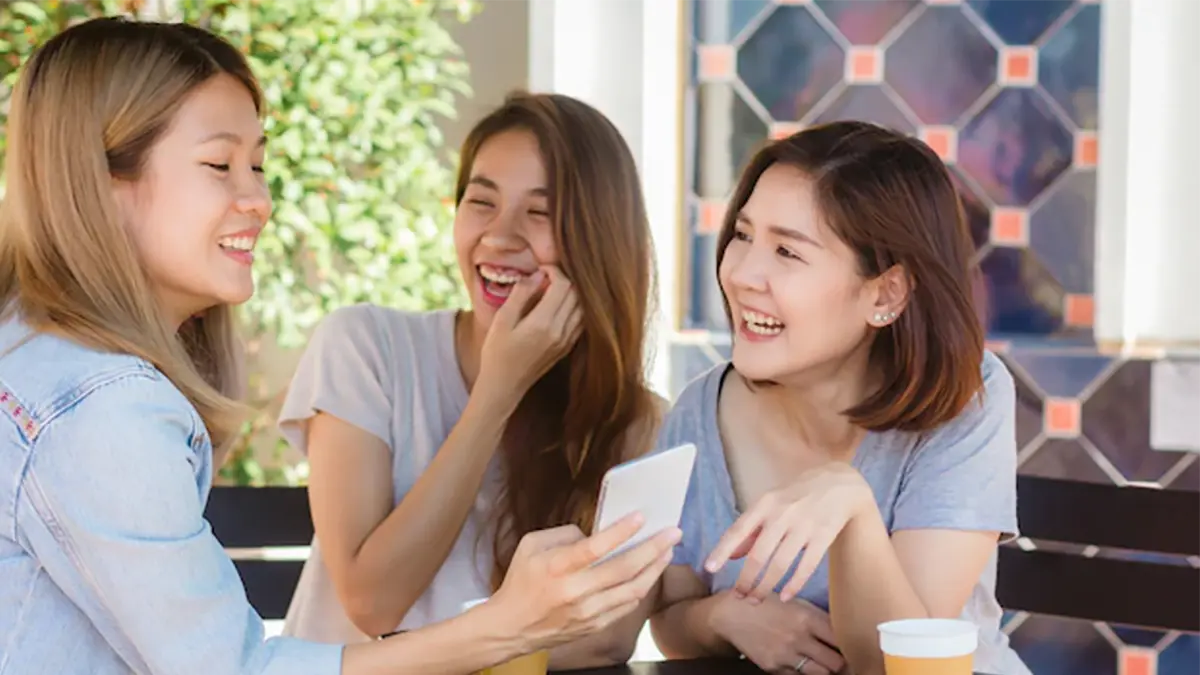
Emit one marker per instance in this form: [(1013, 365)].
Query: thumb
[(514, 307)]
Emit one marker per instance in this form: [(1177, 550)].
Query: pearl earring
[(884, 318)]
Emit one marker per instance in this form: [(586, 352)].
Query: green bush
[(357, 165)]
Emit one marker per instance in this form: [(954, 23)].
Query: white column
[(1148, 205), (624, 58)]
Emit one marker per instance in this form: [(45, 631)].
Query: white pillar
[(624, 57), (1148, 204)]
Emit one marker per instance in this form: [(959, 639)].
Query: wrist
[(717, 611), (502, 639), (493, 396)]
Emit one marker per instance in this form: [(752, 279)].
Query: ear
[(891, 292)]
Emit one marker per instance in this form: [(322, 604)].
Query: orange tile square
[(1137, 661), (716, 62), (1061, 417), (864, 65), (781, 130), (1079, 311), (1018, 66), (712, 214), (1087, 149), (1010, 227), (942, 140)]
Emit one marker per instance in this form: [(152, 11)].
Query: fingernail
[(710, 566)]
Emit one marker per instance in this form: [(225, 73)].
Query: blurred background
[(1070, 127)]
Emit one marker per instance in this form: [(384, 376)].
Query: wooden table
[(697, 667)]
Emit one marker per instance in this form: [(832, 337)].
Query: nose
[(504, 233), (746, 269), (255, 200)]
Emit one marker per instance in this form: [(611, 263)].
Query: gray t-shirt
[(395, 375), (961, 476)]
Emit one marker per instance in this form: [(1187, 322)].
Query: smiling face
[(201, 201), (503, 228), (795, 293)]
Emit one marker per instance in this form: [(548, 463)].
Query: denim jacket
[(107, 565)]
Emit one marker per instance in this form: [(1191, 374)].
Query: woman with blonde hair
[(135, 198)]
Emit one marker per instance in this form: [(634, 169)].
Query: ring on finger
[(803, 662)]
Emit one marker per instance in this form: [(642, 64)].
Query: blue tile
[(707, 309), (1116, 418), (1015, 147), (1062, 231), (723, 21), (1058, 646), (1020, 23), (941, 65), (1069, 67), (1181, 657), (1021, 296), (868, 104), (1060, 375), (790, 63), (728, 132), (866, 22), (978, 216)]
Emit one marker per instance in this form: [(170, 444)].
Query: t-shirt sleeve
[(963, 476), (680, 425), (345, 372)]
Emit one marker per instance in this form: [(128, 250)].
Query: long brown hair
[(576, 422), (891, 200), (89, 106)]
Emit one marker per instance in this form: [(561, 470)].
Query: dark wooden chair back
[(1154, 591), (254, 524)]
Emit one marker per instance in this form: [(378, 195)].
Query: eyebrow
[(785, 232), (232, 138), (484, 181)]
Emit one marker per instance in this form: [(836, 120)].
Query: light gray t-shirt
[(395, 375), (961, 476)]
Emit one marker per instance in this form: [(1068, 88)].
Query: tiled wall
[(1006, 92)]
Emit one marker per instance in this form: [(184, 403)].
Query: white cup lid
[(928, 638)]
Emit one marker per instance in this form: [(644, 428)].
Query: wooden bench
[(1120, 590), (1129, 592)]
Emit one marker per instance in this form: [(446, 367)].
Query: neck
[(468, 346), (810, 405)]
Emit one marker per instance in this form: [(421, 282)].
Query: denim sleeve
[(112, 508), (964, 475)]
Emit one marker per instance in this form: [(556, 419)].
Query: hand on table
[(777, 636)]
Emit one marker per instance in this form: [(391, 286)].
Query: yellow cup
[(530, 664), (928, 646)]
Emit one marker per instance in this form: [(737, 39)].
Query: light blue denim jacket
[(107, 565)]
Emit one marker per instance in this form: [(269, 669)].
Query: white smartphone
[(655, 486)]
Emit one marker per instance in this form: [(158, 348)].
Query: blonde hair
[(88, 107)]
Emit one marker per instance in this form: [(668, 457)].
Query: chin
[(754, 365)]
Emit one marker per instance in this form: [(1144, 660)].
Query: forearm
[(867, 586), (465, 644), (688, 629), (400, 558)]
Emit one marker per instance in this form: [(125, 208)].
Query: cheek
[(541, 243)]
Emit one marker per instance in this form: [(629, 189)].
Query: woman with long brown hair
[(134, 201), (437, 439)]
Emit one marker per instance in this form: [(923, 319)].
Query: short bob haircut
[(891, 200)]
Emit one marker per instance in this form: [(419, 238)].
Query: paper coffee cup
[(928, 646), (531, 664)]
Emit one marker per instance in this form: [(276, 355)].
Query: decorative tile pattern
[(1003, 91), (1006, 92)]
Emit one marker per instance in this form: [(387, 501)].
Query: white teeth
[(761, 324), (237, 243), (499, 277)]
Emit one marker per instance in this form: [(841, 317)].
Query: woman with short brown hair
[(860, 416)]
